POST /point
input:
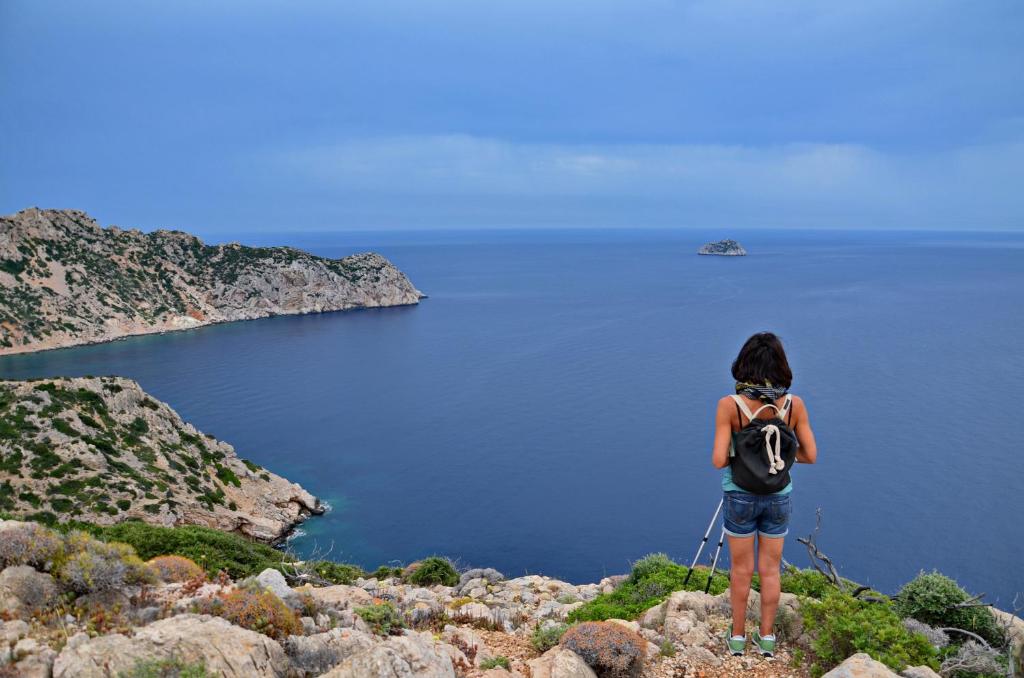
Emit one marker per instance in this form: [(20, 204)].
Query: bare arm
[(723, 434), (807, 453)]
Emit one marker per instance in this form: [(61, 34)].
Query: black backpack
[(764, 450)]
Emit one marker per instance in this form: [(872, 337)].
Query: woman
[(763, 379)]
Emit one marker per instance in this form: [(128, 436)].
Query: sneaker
[(736, 646), (765, 646)]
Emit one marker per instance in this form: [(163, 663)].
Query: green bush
[(653, 579), (165, 668), (91, 566), (499, 662), (547, 636), (212, 549), (842, 625), (336, 573), (931, 598), (30, 544), (434, 570), (385, 572), (809, 583), (383, 618)]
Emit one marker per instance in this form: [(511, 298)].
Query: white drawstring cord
[(775, 463)]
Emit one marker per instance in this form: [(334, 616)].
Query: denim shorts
[(766, 514)]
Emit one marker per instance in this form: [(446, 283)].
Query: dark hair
[(763, 360)]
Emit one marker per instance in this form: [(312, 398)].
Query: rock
[(727, 248), (30, 659), (686, 614), (24, 591), (490, 575), (257, 503), (1014, 626), (861, 665), (226, 649), (340, 596), (468, 642), (654, 617), (700, 655), (415, 654), (12, 631), (559, 662), (148, 275), (918, 672), (274, 581), (321, 652)]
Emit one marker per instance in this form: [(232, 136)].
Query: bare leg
[(741, 557), (769, 556)]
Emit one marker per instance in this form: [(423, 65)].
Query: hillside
[(64, 280), (101, 450)]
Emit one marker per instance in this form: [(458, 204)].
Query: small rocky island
[(723, 248), (65, 280)]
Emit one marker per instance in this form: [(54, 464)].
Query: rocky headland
[(64, 281), (724, 248), (101, 450)]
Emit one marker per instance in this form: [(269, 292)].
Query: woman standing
[(753, 430)]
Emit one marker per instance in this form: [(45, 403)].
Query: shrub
[(260, 611), (610, 649), (547, 635), (212, 549), (385, 572), (336, 573), (30, 544), (383, 618), (175, 569), (499, 662), (165, 668), (931, 598), (667, 648), (91, 566), (810, 583), (652, 580), (842, 625), (434, 570)]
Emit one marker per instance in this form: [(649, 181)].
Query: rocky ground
[(102, 450), (484, 626), (64, 281)]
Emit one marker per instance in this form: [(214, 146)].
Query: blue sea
[(549, 408)]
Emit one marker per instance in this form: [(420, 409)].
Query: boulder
[(415, 655), (490, 574), (918, 672), (686, 614), (1014, 626), (24, 591), (31, 659), (321, 652), (227, 650), (468, 642), (559, 662), (274, 581), (340, 596), (861, 665)]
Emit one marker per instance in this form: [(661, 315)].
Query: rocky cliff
[(64, 280), (101, 450)]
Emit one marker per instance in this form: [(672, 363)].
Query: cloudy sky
[(303, 115)]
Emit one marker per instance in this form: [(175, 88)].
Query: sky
[(255, 116)]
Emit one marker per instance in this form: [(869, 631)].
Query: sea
[(549, 407)]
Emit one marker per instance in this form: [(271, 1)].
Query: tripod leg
[(714, 563), (703, 542)]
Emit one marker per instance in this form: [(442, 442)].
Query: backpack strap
[(741, 406), (787, 409)]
